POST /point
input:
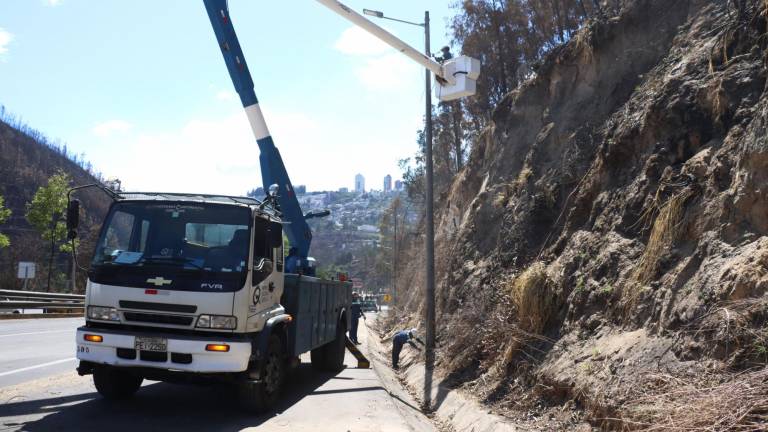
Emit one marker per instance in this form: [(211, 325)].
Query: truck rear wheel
[(334, 351), (115, 384), (261, 396), (317, 356)]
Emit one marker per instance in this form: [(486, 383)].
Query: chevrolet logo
[(159, 281)]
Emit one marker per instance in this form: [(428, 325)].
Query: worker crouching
[(401, 338)]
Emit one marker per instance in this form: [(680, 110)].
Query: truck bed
[(316, 307)]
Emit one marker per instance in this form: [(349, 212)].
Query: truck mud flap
[(362, 362)]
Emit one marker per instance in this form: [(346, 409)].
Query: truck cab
[(190, 288)]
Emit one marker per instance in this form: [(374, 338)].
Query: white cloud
[(52, 3), (389, 72), (111, 127), (216, 155), (356, 41), (5, 40), (377, 66), (226, 95)]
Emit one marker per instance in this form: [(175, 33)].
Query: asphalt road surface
[(53, 398), (36, 348)]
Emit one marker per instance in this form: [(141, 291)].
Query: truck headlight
[(217, 322), (103, 313)]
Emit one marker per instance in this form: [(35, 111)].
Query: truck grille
[(158, 319), (162, 307)]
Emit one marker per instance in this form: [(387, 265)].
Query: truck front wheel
[(115, 384), (261, 396)]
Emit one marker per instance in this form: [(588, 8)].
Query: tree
[(4, 215), (45, 212)]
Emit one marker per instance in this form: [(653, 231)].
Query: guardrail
[(14, 299)]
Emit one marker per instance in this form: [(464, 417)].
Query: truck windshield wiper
[(171, 259)]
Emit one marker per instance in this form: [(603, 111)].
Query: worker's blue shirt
[(401, 337), (357, 311)]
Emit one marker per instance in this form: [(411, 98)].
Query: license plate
[(151, 344)]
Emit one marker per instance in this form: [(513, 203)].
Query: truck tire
[(334, 351), (115, 384), (257, 397), (317, 356)]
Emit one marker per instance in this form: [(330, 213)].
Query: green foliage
[(330, 272), (4, 215), (580, 284), (49, 204), (608, 289)]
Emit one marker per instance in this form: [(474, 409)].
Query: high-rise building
[(387, 183), (359, 183), (398, 185)]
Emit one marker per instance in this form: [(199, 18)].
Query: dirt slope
[(607, 242), (26, 163)]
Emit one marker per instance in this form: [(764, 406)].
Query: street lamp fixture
[(373, 13), (379, 14)]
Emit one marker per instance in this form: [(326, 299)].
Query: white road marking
[(36, 333), (37, 366)]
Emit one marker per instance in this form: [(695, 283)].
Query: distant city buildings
[(398, 185), (387, 183), (359, 183), (343, 190)]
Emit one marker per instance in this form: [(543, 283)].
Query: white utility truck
[(193, 288)]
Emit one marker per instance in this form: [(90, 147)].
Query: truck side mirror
[(73, 218)]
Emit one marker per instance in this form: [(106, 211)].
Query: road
[(35, 348), (53, 397)]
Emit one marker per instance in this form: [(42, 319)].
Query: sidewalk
[(453, 410)]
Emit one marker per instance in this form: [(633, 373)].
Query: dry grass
[(739, 329), (533, 298), (739, 403), (666, 230)]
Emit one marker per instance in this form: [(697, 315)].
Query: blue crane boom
[(273, 170)]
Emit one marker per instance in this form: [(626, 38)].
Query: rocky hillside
[(27, 161), (603, 256)]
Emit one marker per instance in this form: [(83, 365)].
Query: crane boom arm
[(272, 167)]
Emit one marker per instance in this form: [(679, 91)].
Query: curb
[(460, 412)]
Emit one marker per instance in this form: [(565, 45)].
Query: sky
[(141, 89)]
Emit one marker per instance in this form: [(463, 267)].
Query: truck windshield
[(174, 240)]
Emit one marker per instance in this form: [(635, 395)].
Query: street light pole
[(429, 294), (429, 348)]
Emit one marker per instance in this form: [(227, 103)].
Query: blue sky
[(140, 87)]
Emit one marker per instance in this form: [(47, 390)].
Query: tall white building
[(359, 183), (387, 183)]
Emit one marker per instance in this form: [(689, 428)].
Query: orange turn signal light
[(93, 338), (289, 319), (217, 347)]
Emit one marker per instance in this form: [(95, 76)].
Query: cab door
[(266, 274)]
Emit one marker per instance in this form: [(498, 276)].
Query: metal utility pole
[(394, 254), (457, 78), (54, 221), (429, 349)]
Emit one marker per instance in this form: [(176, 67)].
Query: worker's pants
[(353, 330), (397, 346)]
